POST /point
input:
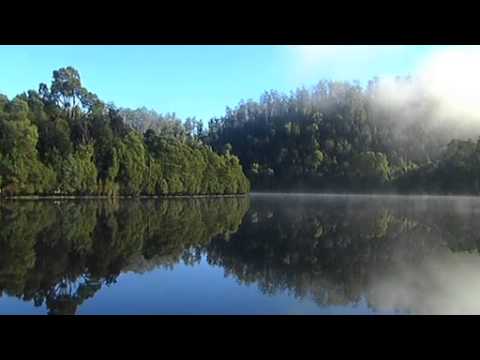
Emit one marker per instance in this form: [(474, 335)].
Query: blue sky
[(200, 80)]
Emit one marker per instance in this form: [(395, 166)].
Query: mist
[(443, 93), (379, 254), (315, 135), (441, 284)]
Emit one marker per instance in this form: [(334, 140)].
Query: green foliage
[(77, 173), (131, 153), (20, 168), (335, 136), (63, 140), (339, 136), (369, 170)]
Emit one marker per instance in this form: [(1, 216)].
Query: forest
[(332, 137), (341, 137), (63, 140)]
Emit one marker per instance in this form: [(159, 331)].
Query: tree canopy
[(339, 136), (64, 140), (335, 136)]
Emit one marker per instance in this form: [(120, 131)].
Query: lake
[(258, 254)]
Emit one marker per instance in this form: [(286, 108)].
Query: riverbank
[(96, 197)]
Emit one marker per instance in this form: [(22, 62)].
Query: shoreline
[(216, 196), (97, 197)]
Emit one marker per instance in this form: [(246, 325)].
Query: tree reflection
[(335, 250), (62, 253)]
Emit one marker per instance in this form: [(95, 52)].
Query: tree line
[(64, 140), (333, 137), (340, 136)]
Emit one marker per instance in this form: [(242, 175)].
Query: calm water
[(262, 254)]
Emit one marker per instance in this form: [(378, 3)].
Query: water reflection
[(417, 255), (62, 253), (407, 254)]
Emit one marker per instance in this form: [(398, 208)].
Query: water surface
[(261, 254)]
